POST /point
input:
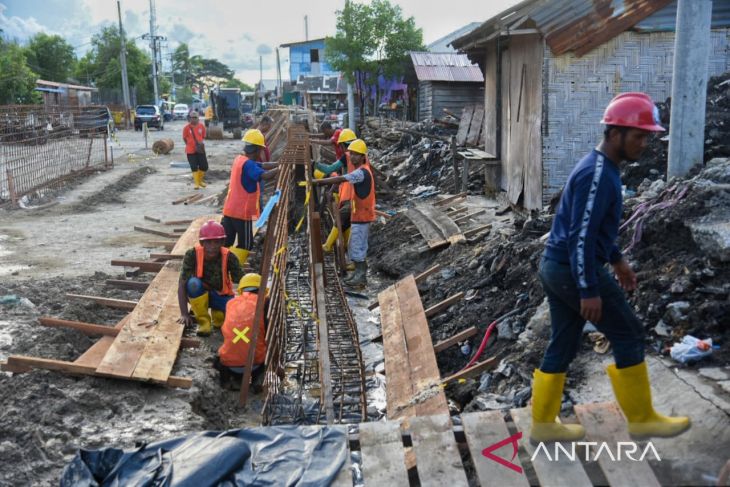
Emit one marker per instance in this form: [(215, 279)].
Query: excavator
[(224, 113)]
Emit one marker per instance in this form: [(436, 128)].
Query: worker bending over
[(579, 288), (341, 166), (362, 209), (331, 136), (193, 135), (243, 203), (237, 336), (208, 271)]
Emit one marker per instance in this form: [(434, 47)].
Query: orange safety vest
[(227, 289), (241, 204), (240, 313), (363, 209), (346, 190)]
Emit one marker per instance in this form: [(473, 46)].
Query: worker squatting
[(213, 290)]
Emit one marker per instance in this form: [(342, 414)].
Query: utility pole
[(350, 106), (123, 59), (153, 46), (278, 77), (306, 28), (689, 86), (261, 80)]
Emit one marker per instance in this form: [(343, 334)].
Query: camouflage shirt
[(211, 270)]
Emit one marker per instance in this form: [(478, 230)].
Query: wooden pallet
[(438, 229)]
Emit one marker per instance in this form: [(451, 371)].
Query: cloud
[(246, 37), (181, 33), (264, 50), (133, 25), (17, 28)]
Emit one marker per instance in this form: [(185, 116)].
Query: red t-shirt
[(188, 136), (267, 154), (338, 150)]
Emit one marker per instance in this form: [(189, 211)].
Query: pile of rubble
[(653, 164)]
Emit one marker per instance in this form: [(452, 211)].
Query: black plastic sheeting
[(275, 455)]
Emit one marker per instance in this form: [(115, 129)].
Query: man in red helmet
[(579, 288), (206, 280)]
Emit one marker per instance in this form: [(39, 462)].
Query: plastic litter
[(9, 299), (691, 349)]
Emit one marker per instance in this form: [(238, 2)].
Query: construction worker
[(193, 135), (331, 136), (243, 203), (206, 279), (579, 288), (264, 127), (237, 333), (362, 209)]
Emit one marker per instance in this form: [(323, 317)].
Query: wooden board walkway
[(486, 446), (435, 226), (410, 363)]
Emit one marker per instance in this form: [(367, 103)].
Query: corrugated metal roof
[(431, 66), (665, 20), (443, 44), (578, 26)]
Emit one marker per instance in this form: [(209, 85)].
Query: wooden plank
[(396, 358), (438, 307), (470, 215), (152, 219), (464, 124), (475, 129), (560, 471), (476, 230), (112, 303), (419, 279), (451, 213), (324, 353), (148, 326), (605, 423), (383, 459), (25, 362), (178, 222), (152, 231), (425, 376), (450, 199), (437, 456), (166, 256), (167, 245), (483, 429), (481, 154), (472, 371), (445, 225), (125, 284), (459, 337), (93, 355), (426, 228), (143, 265), (193, 199), (184, 199)]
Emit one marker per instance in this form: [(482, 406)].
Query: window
[(314, 55)]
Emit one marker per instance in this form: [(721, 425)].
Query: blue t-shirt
[(251, 176), (586, 224)]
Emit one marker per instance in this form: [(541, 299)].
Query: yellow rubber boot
[(331, 240), (199, 306), (346, 236), (201, 179), (242, 254), (196, 179), (633, 393), (547, 395), (218, 317)]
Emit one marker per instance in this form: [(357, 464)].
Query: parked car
[(150, 114), (180, 112), (93, 120)]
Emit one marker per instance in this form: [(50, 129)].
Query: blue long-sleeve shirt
[(586, 224)]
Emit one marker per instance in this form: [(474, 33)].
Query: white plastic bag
[(691, 349)]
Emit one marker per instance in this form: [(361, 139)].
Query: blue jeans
[(618, 322), (195, 289)]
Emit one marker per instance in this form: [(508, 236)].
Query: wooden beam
[(419, 279), (476, 230), (324, 351), (452, 212), (144, 265), (472, 371), (438, 307), (195, 198), (184, 198), (124, 284), (179, 222), (22, 363), (155, 232), (167, 256), (112, 303), (470, 215), (152, 219), (92, 329), (166, 244), (459, 337), (449, 199)]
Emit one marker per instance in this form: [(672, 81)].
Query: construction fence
[(41, 147)]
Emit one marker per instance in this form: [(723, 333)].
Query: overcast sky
[(235, 32)]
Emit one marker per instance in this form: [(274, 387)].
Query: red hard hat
[(636, 110), (212, 231)]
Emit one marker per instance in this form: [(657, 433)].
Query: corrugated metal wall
[(578, 90), (434, 96)]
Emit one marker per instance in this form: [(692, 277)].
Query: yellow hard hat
[(318, 174), (249, 280), (254, 137), (358, 145), (346, 136)]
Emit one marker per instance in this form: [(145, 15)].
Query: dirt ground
[(67, 248)]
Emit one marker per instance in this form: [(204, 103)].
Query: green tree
[(51, 56), (371, 41), (237, 83), (17, 80)]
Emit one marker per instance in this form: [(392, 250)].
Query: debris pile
[(653, 163)]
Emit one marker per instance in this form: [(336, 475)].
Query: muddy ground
[(67, 248)]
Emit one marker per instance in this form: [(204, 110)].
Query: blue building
[(306, 59)]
